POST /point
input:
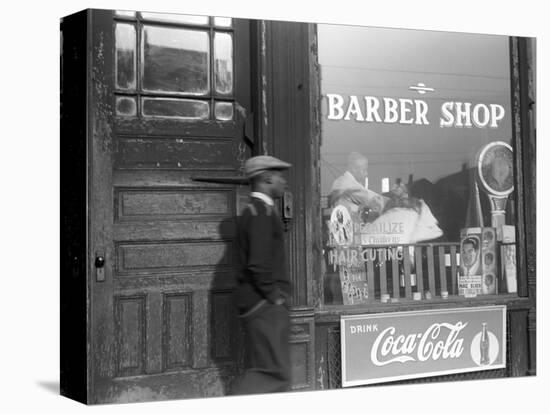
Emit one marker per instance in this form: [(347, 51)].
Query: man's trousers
[(267, 350)]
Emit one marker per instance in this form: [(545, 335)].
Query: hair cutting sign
[(382, 347), (385, 110)]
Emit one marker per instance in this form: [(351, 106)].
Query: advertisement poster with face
[(470, 277)]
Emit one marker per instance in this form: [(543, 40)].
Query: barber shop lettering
[(440, 340), (412, 111)]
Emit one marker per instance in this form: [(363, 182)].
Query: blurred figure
[(350, 187), (263, 285)]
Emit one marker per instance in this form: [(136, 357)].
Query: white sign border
[(345, 318)]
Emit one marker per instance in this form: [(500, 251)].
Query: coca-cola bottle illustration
[(484, 345)]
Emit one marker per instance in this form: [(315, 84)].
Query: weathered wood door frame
[(287, 126)]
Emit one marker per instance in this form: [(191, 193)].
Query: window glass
[(405, 117), (175, 108), (223, 111), (125, 64), (124, 13), (175, 18), (223, 21), (223, 61), (126, 106), (175, 60), (165, 68)]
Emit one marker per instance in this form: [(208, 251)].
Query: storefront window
[(416, 163)]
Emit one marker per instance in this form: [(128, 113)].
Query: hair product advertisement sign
[(403, 345)]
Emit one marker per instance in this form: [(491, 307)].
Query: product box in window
[(508, 255), (478, 262), (470, 277), (489, 260)]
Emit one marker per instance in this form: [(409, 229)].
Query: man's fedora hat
[(256, 165)]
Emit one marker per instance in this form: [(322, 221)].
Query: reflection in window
[(125, 64), (398, 167), (223, 58), (175, 18), (175, 60), (175, 108), (126, 106), (223, 111)]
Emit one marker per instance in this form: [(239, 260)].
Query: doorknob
[(99, 268)]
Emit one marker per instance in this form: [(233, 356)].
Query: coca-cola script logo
[(440, 340)]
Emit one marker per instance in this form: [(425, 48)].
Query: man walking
[(263, 286)]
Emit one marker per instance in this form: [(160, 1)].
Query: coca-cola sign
[(403, 345)]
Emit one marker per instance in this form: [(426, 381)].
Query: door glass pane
[(124, 13), (126, 106), (125, 64), (404, 120), (223, 111), (223, 58), (175, 60), (223, 21), (175, 18), (175, 108)]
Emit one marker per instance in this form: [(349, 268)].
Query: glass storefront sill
[(325, 314)]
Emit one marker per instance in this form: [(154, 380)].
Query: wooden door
[(163, 106)]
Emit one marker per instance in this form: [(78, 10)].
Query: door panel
[(162, 321)]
